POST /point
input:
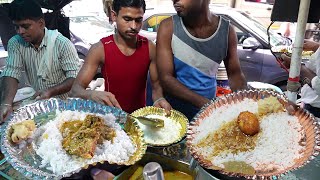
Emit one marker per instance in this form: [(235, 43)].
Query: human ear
[(42, 23), (113, 15)]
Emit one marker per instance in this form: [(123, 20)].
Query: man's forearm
[(237, 82), (157, 91), (8, 90), (316, 46), (173, 87), (80, 92), (61, 88), (305, 72)]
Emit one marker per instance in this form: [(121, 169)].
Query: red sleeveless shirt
[(126, 76)]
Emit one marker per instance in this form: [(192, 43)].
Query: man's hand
[(42, 94), (103, 97), (291, 108), (5, 110), (98, 174), (163, 103), (309, 45), (286, 60)]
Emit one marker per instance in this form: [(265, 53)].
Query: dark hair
[(118, 4), (25, 9)]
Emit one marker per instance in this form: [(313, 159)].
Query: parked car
[(256, 60), (86, 30)]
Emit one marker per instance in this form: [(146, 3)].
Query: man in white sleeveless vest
[(190, 47)]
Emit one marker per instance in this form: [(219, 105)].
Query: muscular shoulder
[(165, 30), (97, 52), (168, 22), (98, 46), (152, 49)]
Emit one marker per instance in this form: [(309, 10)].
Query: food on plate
[(75, 139), (269, 105), (284, 50), (81, 137), (304, 54), (248, 123), (169, 133), (228, 138), (168, 175), (216, 139), (22, 130), (238, 167), (287, 50), (307, 53)]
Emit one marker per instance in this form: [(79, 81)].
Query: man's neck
[(37, 43), (125, 42), (197, 20)]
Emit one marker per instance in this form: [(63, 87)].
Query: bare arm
[(309, 45), (155, 83), (236, 78), (8, 90), (157, 92), (87, 72), (9, 79), (61, 88), (94, 58), (166, 68)]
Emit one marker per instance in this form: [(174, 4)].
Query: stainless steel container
[(166, 163), (201, 173)]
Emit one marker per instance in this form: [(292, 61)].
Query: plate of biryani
[(249, 134), (288, 51), (52, 139), (174, 129)]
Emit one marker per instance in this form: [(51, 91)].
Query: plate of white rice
[(284, 142), (45, 157)]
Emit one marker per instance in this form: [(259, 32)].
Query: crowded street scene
[(160, 89)]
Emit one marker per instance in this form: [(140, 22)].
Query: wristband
[(159, 99)]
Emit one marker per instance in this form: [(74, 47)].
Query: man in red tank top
[(125, 58)]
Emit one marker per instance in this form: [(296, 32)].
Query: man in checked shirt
[(49, 59)]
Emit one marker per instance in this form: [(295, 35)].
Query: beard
[(125, 36)]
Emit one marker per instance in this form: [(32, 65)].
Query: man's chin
[(131, 37), (180, 14), (26, 39)]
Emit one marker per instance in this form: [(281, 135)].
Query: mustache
[(177, 4), (132, 31)]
